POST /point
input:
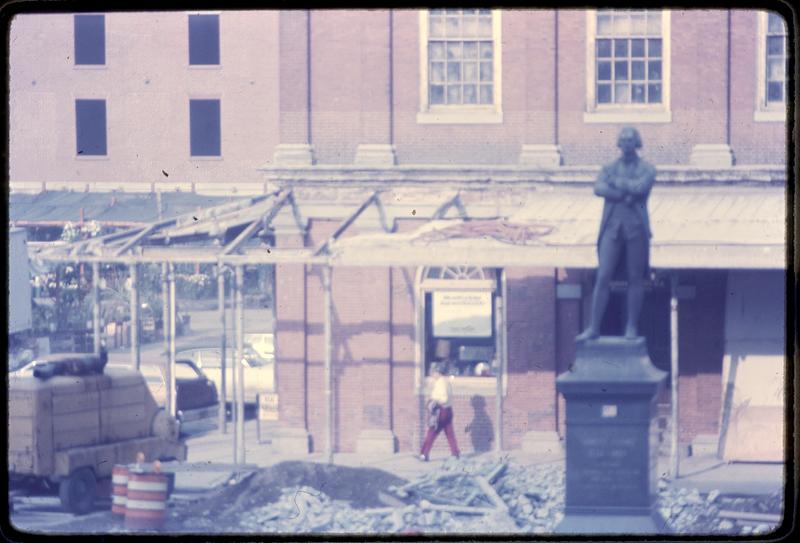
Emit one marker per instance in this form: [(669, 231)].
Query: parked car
[(259, 371), (197, 403)]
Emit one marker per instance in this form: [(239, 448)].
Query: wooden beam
[(345, 224), (251, 228)]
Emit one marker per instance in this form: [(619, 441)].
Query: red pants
[(445, 422)]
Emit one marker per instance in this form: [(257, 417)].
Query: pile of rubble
[(459, 496)]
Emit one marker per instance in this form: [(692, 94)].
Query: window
[(460, 320), (628, 66), (460, 66), (90, 127), (90, 40), (203, 39), (772, 67), (204, 121)]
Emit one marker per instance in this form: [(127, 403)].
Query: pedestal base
[(711, 155), (372, 442), (294, 154), (647, 522)]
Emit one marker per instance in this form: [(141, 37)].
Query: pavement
[(214, 450)]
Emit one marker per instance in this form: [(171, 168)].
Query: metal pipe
[(223, 339), (171, 399), (326, 298), (165, 308), (135, 352), (234, 376), (499, 340), (96, 306), (238, 362), (673, 322)]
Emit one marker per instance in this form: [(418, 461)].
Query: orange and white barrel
[(146, 504), (119, 489)]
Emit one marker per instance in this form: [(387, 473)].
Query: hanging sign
[(462, 313), (268, 406)]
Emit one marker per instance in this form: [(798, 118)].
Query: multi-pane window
[(460, 57), (775, 60), (204, 127), (90, 39), (203, 39), (90, 127), (628, 57)]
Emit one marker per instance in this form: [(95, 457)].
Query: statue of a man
[(625, 184)]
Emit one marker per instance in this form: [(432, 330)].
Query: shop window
[(203, 40), (90, 40), (461, 320)]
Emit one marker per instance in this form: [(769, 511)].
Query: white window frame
[(627, 113), (202, 67), (764, 111), (465, 113)]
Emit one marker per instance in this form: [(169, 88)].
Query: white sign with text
[(462, 313)]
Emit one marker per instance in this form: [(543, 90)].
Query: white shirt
[(442, 391)]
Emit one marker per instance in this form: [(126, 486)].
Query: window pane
[(638, 24), (486, 71), (622, 93), (90, 39), (604, 71), (775, 68), (453, 27), (654, 93), (470, 71), (638, 94), (637, 48), (775, 92), (620, 48), (637, 69), (437, 94), (604, 25), (454, 51), (485, 26), (775, 24), (603, 94), (436, 27), (621, 70), (470, 26), (486, 50), (204, 121), (437, 72), (90, 127), (603, 48), (654, 48), (653, 23), (436, 50), (453, 94), (654, 70), (203, 39), (470, 49), (775, 45), (454, 71), (486, 94), (622, 26), (470, 94)]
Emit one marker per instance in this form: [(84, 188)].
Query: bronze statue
[(625, 184)]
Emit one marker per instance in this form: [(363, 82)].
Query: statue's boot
[(589, 333), (631, 332)]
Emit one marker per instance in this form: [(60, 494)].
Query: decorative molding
[(375, 154), (294, 154)]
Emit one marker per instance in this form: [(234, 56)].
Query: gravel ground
[(305, 497)]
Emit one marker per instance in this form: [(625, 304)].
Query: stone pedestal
[(294, 154), (711, 155), (612, 439)]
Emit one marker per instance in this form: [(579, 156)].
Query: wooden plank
[(20, 430), (21, 405), (491, 494), (125, 395), (76, 429), (124, 422), (745, 516)]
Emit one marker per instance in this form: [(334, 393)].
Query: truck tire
[(77, 491)]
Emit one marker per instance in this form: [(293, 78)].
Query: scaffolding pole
[(96, 306), (223, 339), (673, 324), (135, 350), (326, 283), (499, 337), (234, 376), (171, 403), (240, 459)]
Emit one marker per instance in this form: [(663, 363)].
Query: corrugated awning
[(733, 229)]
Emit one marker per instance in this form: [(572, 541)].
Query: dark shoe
[(587, 334), (422, 458)]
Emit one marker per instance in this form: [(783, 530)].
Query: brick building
[(512, 111)]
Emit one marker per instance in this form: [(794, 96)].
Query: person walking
[(440, 413)]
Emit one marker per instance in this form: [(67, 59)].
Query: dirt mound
[(359, 486)]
